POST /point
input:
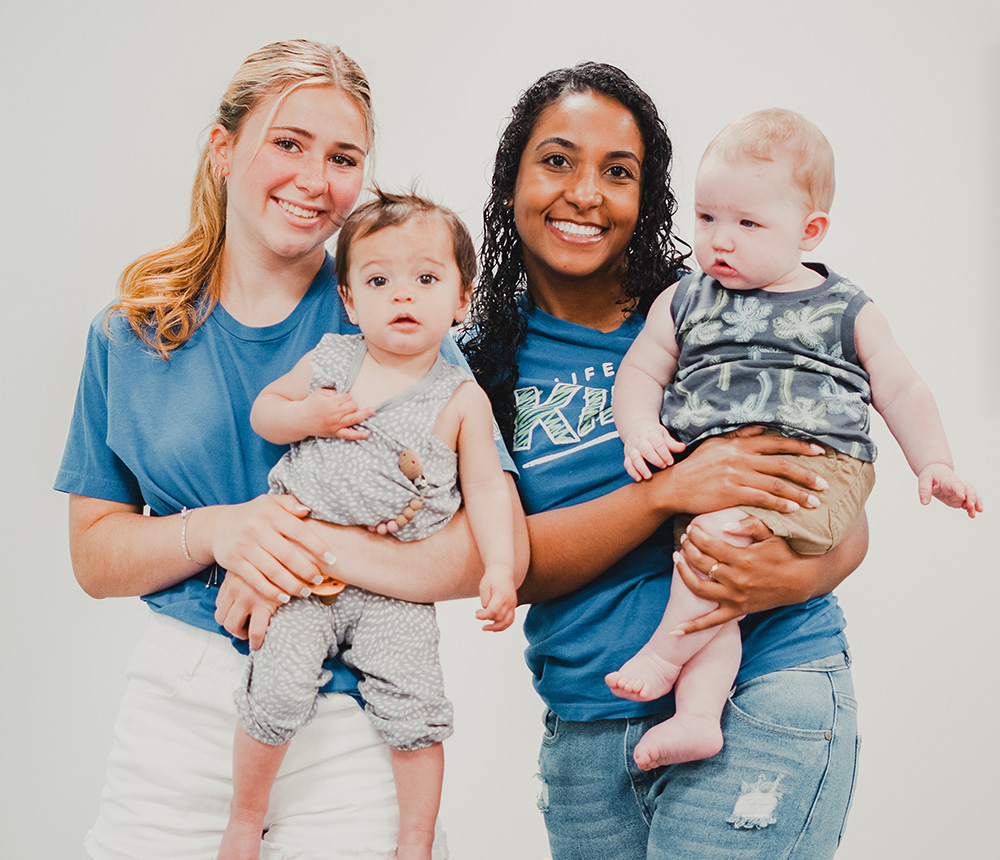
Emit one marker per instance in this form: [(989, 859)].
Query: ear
[(463, 305), (816, 225), (348, 300), (220, 146)]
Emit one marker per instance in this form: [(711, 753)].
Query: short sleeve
[(453, 355), (89, 466)]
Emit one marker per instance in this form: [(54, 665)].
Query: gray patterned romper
[(392, 643)]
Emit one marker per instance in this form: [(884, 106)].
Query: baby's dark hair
[(393, 210), (652, 258)]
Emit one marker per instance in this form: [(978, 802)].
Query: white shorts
[(169, 779)]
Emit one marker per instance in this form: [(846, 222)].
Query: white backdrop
[(105, 105)]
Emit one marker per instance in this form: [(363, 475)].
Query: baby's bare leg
[(653, 671), (255, 766), (418, 774), (693, 733)]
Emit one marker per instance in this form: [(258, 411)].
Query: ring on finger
[(711, 572)]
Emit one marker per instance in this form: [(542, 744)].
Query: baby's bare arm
[(484, 493), (285, 411), (903, 399), (899, 395), (648, 366)]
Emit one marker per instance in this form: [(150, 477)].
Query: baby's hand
[(329, 413), (499, 597), (941, 482), (649, 442)]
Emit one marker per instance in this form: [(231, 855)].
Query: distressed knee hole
[(756, 804), (543, 794)]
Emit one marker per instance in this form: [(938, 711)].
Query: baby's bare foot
[(645, 677), (679, 739)]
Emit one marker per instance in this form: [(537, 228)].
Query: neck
[(260, 291), (386, 374), (593, 302), (800, 278)]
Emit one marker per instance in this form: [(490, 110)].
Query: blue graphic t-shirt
[(567, 451)]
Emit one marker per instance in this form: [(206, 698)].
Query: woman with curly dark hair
[(578, 242)]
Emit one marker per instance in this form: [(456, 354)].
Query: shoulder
[(334, 345), (454, 374), (469, 402)]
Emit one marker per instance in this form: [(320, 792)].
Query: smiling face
[(576, 199), (752, 224), (404, 289), (292, 182)]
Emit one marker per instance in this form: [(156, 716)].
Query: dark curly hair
[(496, 326)]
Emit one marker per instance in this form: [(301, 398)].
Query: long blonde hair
[(166, 294)]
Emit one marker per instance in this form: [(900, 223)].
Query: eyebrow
[(310, 136), (568, 144)]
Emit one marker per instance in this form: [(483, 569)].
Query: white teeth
[(587, 230), (296, 210)]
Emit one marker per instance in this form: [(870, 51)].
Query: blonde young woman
[(162, 419)]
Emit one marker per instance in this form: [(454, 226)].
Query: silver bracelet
[(185, 513)]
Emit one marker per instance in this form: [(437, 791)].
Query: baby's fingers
[(354, 433), (636, 466), (973, 501)]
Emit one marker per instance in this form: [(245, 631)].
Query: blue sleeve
[(451, 352), (89, 466)]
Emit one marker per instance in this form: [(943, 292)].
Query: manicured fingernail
[(684, 537), (791, 506), (816, 449), (302, 508), (677, 557), (821, 483), (812, 501), (677, 632), (318, 578), (284, 598), (305, 592), (329, 558)]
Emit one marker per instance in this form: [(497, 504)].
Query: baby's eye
[(427, 279), (706, 218), (378, 281), (746, 222)]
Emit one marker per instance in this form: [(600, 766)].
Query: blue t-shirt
[(177, 433), (567, 451)]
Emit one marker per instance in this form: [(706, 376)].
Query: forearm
[(277, 419), (444, 566), (834, 567), (637, 398), (572, 546), (915, 422), (117, 552)]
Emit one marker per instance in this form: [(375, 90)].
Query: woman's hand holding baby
[(269, 553)]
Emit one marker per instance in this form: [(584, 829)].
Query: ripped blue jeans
[(779, 790)]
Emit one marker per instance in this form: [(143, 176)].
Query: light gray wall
[(104, 104)]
